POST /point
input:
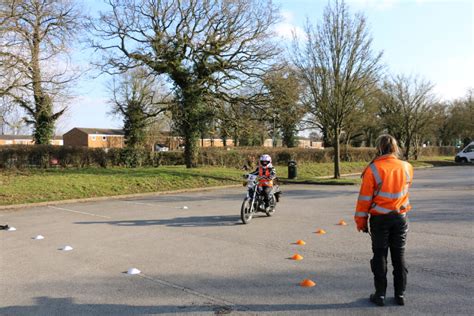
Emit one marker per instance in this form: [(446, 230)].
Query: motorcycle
[(254, 202)]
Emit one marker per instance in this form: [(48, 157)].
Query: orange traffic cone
[(297, 257), (300, 242), (342, 223), (307, 283), (321, 232)]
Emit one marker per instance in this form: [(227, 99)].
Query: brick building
[(26, 140), (303, 142), (94, 138), (215, 142)]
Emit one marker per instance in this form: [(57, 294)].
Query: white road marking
[(140, 203), (79, 212)]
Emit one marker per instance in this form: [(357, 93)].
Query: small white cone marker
[(132, 271), (11, 229), (66, 248), (39, 237)]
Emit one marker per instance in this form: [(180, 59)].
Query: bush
[(45, 156), (238, 157), (133, 158), (168, 158), (431, 151)]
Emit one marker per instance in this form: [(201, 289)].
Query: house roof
[(15, 137), (101, 131), (23, 137)]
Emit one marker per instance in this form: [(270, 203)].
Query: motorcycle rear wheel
[(245, 213), (272, 207)]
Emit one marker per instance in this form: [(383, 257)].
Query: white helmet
[(265, 160)]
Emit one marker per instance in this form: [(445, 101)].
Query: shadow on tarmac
[(189, 221), (66, 306), (189, 198), (288, 192)]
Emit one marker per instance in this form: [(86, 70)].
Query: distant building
[(164, 141), (94, 137), (115, 138), (215, 142), (303, 142), (26, 140)]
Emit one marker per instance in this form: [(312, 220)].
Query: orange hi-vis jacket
[(266, 181), (384, 188)]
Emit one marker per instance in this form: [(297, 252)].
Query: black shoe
[(400, 300), (377, 300)]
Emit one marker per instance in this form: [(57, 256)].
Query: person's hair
[(387, 144)]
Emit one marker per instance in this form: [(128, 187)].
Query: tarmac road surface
[(201, 260)]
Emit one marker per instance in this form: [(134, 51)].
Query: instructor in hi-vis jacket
[(384, 196)]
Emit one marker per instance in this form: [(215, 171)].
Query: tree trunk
[(134, 126), (43, 109), (44, 126), (337, 155), (191, 137), (416, 147), (289, 139), (43, 112), (407, 148), (191, 118)]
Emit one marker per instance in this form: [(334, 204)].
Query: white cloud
[(376, 4), (383, 5), (286, 28)]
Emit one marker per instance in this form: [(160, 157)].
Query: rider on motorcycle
[(266, 173)]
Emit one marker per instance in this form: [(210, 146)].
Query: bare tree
[(4, 110), (35, 38), (245, 125), (405, 109), (285, 109), (363, 124), (11, 119), (465, 112), (138, 98), (206, 48), (339, 67), (454, 121)]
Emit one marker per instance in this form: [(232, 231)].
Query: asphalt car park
[(196, 257)]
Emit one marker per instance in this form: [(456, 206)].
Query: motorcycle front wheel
[(245, 211)]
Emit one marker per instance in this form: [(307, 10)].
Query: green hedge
[(432, 151), (281, 156), (47, 156)]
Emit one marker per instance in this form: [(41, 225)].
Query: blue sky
[(433, 39)]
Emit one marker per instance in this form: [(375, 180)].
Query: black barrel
[(292, 169)]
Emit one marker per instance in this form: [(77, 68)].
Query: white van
[(466, 155)]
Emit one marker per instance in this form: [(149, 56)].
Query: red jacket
[(266, 175)]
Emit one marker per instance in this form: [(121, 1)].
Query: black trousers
[(389, 232), (266, 191)]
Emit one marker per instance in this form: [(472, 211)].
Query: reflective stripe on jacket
[(267, 180), (384, 187)]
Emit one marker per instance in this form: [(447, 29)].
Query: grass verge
[(35, 185), (29, 186)]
